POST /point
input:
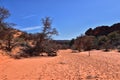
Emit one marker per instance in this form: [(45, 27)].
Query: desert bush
[(114, 38), (16, 56), (28, 51), (75, 51), (85, 43), (73, 47), (47, 47), (19, 55), (52, 53), (118, 48), (42, 41), (106, 50), (50, 48), (71, 44), (104, 42)]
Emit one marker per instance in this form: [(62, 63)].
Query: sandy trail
[(66, 66)]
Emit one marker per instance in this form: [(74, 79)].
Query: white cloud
[(31, 28), (29, 16), (17, 27)]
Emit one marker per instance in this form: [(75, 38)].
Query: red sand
[(66, 66)]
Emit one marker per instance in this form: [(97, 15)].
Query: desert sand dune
[(66, 66)]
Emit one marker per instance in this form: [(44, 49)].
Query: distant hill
[(103, 30)]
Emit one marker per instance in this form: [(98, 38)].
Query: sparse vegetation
[(85, 43), (43, 42), (118, 48), (102, 37)]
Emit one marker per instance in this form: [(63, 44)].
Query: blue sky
[(70, 17)]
